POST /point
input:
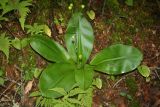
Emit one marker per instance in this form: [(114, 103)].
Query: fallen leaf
[(59, 28), (28, 87)]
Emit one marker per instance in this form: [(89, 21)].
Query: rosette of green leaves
[(70, 68)]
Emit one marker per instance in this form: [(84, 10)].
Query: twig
[(157, 74), (9, 87), (16, 92), (104, 3), (117, 82), (13, 81), (158, 68), (108, 83), (154, 68), (6, 100), (22, 86), (18, 68)]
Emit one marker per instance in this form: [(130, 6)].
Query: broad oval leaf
[(49, 49), (79, 38), (58, 75), (84, 77), (117, 59)]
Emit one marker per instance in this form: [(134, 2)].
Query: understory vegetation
[(86, 53)]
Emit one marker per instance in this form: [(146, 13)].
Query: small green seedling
[(91, 14), (145, 72), (97, 82), (19, 44), (128, 96)]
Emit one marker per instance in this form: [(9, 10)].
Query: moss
[(43, 8), (132, 85)]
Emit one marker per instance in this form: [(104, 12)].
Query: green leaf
[(19, 44), (117, 59), (21, 6), (75, 91), (51, 102), (57, 75), (1, 72), (1, 81), (59, 105), (6, 6), (38, 29), (86, 98), (47, 30), (129, 97), (79, 38), (43, 102), (67, 104), (144, 70), (91, 14), (123, 94), (35, 29), (23, 9), (24, 42), (38, 101), (4, 45), (35, 94), (98, 83), (16, 43), (73, 101), (3, 18), (49, 49), (129, 2), (37, 72), (59, 90), (84, 77)]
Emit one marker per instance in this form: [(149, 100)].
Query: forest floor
[(136, 26)]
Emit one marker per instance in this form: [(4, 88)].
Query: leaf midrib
[(117, 58)]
